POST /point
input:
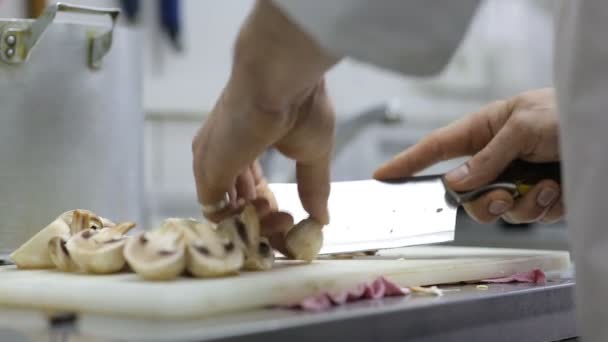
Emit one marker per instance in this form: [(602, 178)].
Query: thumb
[(487, 164)]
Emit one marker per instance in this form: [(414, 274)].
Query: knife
[(369, 215)]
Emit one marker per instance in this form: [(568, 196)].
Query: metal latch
[(17, 42)]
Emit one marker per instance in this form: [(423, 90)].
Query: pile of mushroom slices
[(77, 241), (81, 241), (205, 250)]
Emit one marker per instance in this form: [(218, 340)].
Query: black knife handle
[(518, 179)]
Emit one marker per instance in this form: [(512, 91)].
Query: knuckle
[(520, 124), (502, 104)]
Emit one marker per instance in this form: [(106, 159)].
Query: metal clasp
[(16, 42)]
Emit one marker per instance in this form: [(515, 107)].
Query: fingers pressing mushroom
[(304, 240), (212, 253), (35, 252), (99, 251), (158, 254)]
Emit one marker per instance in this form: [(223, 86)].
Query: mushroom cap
[(304, 240), (100, 251), (212, 253), (34, 253), (158, 254)]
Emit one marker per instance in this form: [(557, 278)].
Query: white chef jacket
[(418, 37)]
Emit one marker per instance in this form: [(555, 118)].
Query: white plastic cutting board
[(127, 295)]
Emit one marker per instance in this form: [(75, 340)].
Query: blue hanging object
[(170, 21), (131, 9)]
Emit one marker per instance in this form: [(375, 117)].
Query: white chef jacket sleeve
[(582, 88), (415, 37)]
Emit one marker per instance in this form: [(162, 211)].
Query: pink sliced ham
[(379, 288), (535, 276), (382, 287)]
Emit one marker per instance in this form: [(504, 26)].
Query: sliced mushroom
[(80, 219), (262, 259), (60, 255), (158, 254), (212, 253), (304, 240), (99, 250), (245, 230), (35, 252)]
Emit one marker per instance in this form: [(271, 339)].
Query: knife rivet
[(10, 52), (11, 39)]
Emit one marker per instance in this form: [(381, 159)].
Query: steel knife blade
[(369, 215)]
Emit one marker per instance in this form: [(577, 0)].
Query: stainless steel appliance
[(71, 120)]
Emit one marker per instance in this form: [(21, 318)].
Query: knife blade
[(369, 215)]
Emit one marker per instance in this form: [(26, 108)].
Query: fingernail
[(497, 207), (546, 197), (458, 174)]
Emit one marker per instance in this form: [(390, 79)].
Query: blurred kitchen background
[(186, 62)]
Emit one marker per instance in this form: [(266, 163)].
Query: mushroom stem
[(60, 255)]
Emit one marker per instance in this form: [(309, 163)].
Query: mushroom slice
[(80, 219), (243, 229), (304, 240), (212, 253), (60, 255), (35, 252), (99, 250), (263, 259), (158, 254), (84, 219)]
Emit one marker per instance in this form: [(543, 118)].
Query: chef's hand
[(275, 97), (524, 127)]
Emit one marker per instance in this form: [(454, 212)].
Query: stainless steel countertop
[(503, 312)]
